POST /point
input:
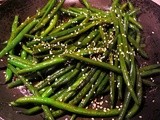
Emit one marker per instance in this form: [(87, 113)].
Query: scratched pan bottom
[(149, 17)]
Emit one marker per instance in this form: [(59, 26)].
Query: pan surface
[(149, 17)]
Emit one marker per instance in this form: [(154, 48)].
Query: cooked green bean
[(95, 63), (17, 39), (67, 107), (137, 47), (39, 66), (34, 91), (139, 88), (125, 72)]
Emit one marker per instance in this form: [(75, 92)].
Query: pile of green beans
[(67, 57)]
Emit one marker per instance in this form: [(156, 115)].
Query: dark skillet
[(149, 17)]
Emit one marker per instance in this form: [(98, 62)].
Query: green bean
[(126, 23), (53, 76), (67, 107), (66, 63), (86, 3), (133, 12), (67, 24), (76, 33), (58, 93), (91, 93), (150, 67), (18, 64), (43, 9), (8, 75), (14, 27), (137, 47), (135, 22), (32, 111), (25, 61), (69, 12), (115, 22), (23, 54), (139, 88), (103, 84), (28, 50), (120, 87), (15, 83), (148, 83), (90, 37), (62, 33), (138, 37), (102, 33), (115, 3), (128, 94), (122, 28), (17, 39), (37, 109), (112, 83), (85, 89), (34, 91), (124, 6), (65, 78), (47, 19), (72, 89), (95, 63), (45, 64), (95, 40), (55, 35), (130, 5), (51, 26), (48, 92), (150, 72), (125, 73), (48, 9), (43, 90)]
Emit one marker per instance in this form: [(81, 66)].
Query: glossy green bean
[(47, 11), (33, 91), (63, 38), (53, 76), (102, 85), (23, 54), (139, 89), (17, 39), (18, 64), (95, 63), (127, 99), (150, 72), (51, 26), (65, 78), (85, 3), (47, 19), (8, 75), (112, 83), (90, 93), (67, 24), (37, 109), (89, 38), (42, 65), (150, 67), (137, 47), (67, 107), (125, 72), (13, 30), (19, 59)]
